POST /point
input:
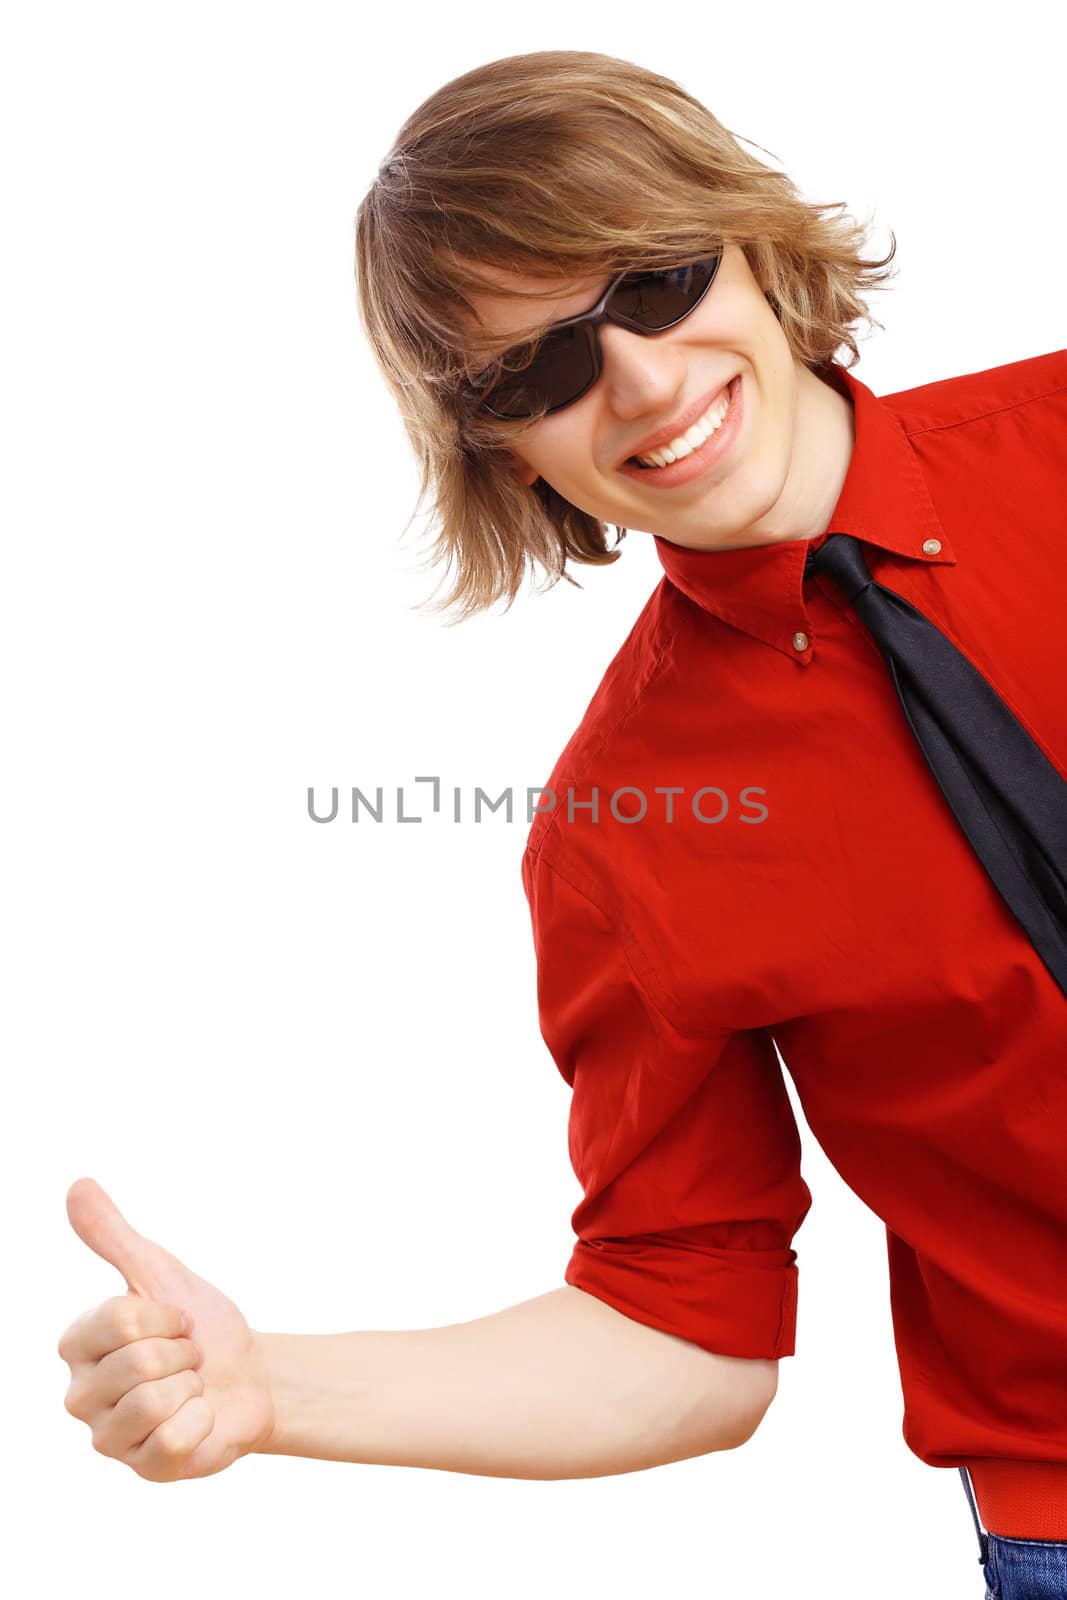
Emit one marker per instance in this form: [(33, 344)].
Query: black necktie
[(1007, 796)]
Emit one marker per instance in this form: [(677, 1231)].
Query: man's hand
[(166, 1406)]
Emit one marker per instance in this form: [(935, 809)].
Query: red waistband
[(1021, 1499)]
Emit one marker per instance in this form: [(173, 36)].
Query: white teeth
[(692, 438)]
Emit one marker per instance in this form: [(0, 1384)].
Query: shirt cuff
[(730, 1302)]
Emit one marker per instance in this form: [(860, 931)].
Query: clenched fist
[(169, 1406)]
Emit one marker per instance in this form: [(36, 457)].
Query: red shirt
[(818, 895)]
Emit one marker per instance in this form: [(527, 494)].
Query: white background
[(305, 1058)]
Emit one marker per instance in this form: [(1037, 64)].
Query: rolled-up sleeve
[(686, 1148)]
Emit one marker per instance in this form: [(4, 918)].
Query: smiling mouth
[(692, 439)]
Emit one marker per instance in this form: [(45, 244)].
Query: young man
[(566, 268)]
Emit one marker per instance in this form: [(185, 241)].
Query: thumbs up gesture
[(171, 1402)]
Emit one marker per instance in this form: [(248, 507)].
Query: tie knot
[(841, 558)]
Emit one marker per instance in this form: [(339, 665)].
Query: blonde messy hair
[(564, 164)]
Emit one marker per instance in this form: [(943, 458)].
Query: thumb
[(149, 1270)]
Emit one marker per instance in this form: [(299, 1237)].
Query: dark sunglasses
[(568, 359)]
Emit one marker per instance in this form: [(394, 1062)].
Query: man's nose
[(639, 369)]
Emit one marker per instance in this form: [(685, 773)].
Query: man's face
[(745, 494)]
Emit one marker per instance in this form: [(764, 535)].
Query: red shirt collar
[(884, 501)]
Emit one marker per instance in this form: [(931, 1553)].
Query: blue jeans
[(1018, 1569)]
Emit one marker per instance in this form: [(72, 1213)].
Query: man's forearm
[(561, 1386)]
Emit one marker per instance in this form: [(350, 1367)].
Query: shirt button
[(931, 546), (800, 641)]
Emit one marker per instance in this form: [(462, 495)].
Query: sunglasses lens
[(561, 369), (658, 299)]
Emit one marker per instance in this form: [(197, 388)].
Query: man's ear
[(524, 471)]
